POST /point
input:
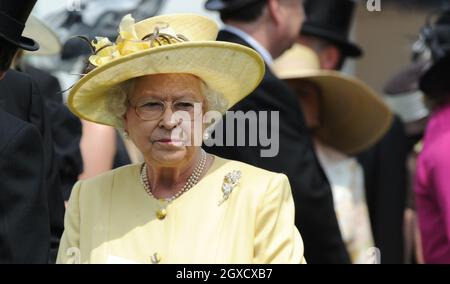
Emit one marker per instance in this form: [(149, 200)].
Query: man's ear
[(273, 7), (2, 74), (330, 57)]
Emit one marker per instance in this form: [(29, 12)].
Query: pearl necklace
[(193, 179)]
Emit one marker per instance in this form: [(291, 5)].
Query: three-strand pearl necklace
[(192, 180)]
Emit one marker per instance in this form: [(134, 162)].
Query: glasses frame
[(165, 104)]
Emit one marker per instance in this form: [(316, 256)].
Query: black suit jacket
[(24, 222), (315, 217), (385, 180), (21, 98), (47, 83), (65, 127)]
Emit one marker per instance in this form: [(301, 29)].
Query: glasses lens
[(152, 110), (149, 110)]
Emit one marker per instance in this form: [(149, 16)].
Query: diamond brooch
[(230, 181)]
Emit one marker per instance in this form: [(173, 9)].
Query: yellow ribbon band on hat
[(128, 42)]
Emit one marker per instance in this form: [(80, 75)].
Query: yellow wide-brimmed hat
[(48, 40), (353, 117), (177, 43)]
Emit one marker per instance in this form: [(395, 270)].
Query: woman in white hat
[(345, 117), (181, 205)]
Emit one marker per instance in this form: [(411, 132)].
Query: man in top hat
[(271, 27), (27, 162), (326, 31)]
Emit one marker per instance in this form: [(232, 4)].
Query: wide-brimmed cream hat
[(177, 43), (48, 40), (352, 116)]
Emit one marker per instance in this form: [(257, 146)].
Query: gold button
[(161, 214), (156, 258)]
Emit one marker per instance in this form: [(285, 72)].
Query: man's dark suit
[(385, 180), (315, 217), (48, 84), (21, 98), (24, 222), (65, 126)]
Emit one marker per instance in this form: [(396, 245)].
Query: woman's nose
[(168, 119)]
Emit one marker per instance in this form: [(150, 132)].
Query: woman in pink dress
[(432, 181)]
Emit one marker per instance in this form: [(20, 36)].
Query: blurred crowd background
[(389, 41)]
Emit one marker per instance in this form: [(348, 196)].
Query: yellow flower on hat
[(105, 51), (128, 42), (126, 28)]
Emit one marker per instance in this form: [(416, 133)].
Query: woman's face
[(308, 94), (164, 115)]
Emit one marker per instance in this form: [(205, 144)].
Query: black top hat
[(331, 20), (227, 5), (436, 37), (13, 15)]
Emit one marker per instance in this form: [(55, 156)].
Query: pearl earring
[(125, 134), (205, 135)]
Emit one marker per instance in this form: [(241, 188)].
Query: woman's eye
[(152, 106), (186, 106)]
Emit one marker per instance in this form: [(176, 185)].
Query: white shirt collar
[(252, 42)]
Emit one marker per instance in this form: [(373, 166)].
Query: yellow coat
[(111, 219)]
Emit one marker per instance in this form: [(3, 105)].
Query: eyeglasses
[(151, 109)]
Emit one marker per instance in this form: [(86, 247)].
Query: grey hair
[(117, 103), (215, 101)]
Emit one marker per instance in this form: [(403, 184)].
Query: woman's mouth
[(165, 140), (168, 141)]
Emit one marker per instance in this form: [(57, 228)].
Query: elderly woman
[(181, 205)]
